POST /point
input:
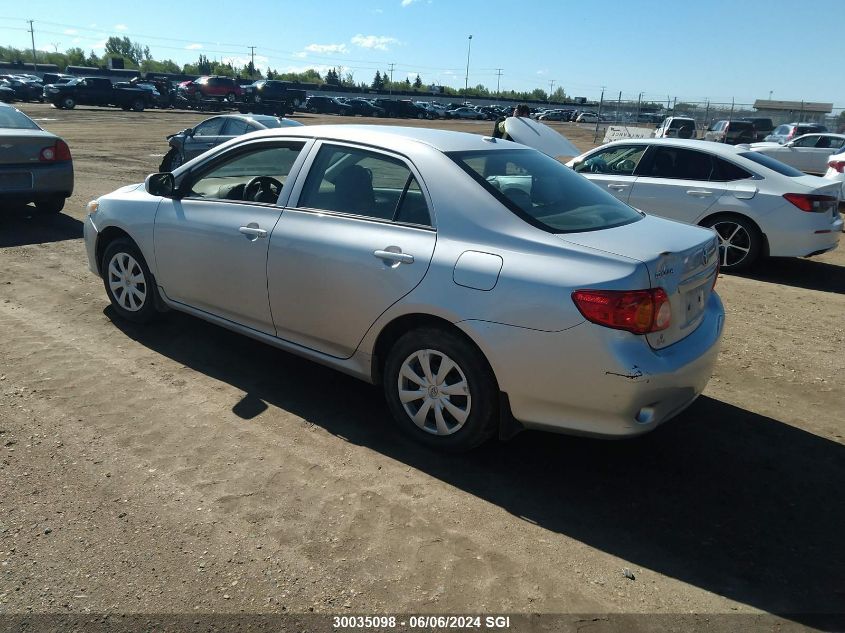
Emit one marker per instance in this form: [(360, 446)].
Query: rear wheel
[(67, 103), (129, 284), (230, 97), (740, 241), (137, 105), (52, 205), (441, 390)]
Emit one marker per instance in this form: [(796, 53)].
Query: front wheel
[(129, 284), (441, 390), (137, 105), (172, 159), (68, 103), (740, 241), (230, 97)]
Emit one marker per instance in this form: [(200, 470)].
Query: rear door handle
[(699, 193), (390, 256), (252, 230), (617, 187)]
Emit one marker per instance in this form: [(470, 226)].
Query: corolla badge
[(662, 272)]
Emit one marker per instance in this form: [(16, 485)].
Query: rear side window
[(236, 127), (544, 192), (771, 163), (725, 171), (369, 184), (677, 162)]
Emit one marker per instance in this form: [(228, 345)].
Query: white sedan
[(758, 205), (808, 153), (836, 171)]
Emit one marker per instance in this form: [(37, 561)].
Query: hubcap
[(127, 283), (434, 392), (734, 243)]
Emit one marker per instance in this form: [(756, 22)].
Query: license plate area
[(16, 181), (693, 303)]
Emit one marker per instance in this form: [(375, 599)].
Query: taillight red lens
[(837, 165), (58, 151), (637, 311), (812, 203)]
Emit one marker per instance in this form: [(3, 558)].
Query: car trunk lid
[(681, 259), (23, 147)]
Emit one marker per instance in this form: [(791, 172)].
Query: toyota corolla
[(486, 286)]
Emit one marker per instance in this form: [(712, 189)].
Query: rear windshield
[(16, 120), (741, 125), (771, 163), (544, 192), (676, 123)]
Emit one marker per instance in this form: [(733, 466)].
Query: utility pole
[(390, 87), (32, 34), (469, 49), (551, 87), (252, 61), (639, 101), (598, 118), (498, 79)]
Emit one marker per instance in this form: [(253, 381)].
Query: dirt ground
[(185, 469)]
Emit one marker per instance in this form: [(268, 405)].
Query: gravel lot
[(186, 469)]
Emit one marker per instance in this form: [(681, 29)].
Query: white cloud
[(121, 27), (408, 3), (376, 42), (76, 40), (301, 55), (542, 72), (326, 48), (377, 11), (194, 47), (301, 69), (71, 31), (260, 60)]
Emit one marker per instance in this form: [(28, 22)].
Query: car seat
[(354, 190)]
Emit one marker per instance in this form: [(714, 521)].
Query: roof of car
[(713, 148), (390, 136)]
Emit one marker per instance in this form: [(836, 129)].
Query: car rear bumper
[(28, 182), (590, 380), (794, 233)]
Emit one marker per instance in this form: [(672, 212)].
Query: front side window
[(544, 192), (211, 127), (360, 182), (806, 141), (620, 160), (255, 175)]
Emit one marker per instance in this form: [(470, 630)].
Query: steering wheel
[(625, 164), (597, 167), (262, 189)]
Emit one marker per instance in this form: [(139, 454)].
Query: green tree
[(417, 83), (378, 82), (126, 48)]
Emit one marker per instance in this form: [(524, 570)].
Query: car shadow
[(810, 274), (21, 225), (735, 503)]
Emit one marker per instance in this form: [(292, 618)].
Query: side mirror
[(161, 184), (188, 131)]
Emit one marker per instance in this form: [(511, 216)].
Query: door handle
[(252, 230), (699, 193), (390, 256), (617, 187)]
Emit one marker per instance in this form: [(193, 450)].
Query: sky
[(714, 50)]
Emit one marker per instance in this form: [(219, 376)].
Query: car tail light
[(837, 165), (54, 153), (637, 311), (812, 203)]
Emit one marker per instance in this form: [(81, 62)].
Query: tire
[(172, 159), (478, 401), (67, 103), (137, 105), (125, 108), (52, 205), (742, 237), (132, 300), (230, 97)]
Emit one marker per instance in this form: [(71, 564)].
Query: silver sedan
[(486, 286)]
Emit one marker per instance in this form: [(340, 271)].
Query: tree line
[(138, 56)]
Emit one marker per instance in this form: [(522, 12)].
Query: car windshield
[(16, 120), (544, 192), (771, 163)]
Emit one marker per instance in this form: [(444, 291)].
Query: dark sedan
[(35, 165), (364, 108), (6, 92), (192, 142), (24, 90)]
